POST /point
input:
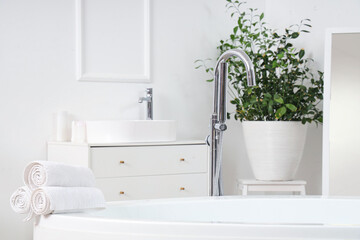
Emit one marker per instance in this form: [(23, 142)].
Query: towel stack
[(53, 187)]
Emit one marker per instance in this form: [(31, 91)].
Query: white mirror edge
[(326, 104)]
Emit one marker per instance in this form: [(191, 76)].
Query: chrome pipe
[(213, 153)]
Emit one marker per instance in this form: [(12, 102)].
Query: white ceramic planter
[(274, 148)]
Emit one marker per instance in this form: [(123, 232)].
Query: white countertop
[(181, 142)]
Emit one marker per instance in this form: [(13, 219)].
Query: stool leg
[(245, 190), (303, 192)]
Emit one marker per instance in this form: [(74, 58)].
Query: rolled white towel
[(46, 173), (47, 200), (20, 202)]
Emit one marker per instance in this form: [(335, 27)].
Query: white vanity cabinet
[(141, 170)]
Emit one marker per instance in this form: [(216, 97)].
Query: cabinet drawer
[(148, 160), (147, 187)]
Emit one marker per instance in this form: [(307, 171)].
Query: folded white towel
[(47, 200), (20, 202), (46, 173)]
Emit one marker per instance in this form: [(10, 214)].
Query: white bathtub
[(210, 218)]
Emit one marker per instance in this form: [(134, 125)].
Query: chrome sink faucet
[(149, 105), (218, 118)]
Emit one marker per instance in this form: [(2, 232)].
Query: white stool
[(247, 186)]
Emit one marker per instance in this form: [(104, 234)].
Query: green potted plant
[(275, 113)]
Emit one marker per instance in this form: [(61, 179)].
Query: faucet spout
[(144, 99), (218, 118), (244, 58), (221, 79)]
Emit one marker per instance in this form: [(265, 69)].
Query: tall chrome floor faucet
[(218, 118)]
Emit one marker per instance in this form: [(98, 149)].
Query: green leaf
[(294, 35), (302, 87), (280, 112), (267, 95), (210, 80), (240, 23), (278, 99), (261, 16), (235, 29), (291, 107), (301, 53), (288, 45), (264, 103), (253, 99), (235, 101), (270, 107)]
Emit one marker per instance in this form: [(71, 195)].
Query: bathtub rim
[(83, 223), (85, 216)]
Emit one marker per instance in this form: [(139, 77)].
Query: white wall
[(37, 77)]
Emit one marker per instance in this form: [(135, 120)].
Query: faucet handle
[(220, 127), (208, 140), (149, 90)]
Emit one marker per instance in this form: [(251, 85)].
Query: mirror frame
[(326, 104)]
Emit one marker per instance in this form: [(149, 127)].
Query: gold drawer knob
[(121, 192), (122, 162), (182, 189), (182, 159)]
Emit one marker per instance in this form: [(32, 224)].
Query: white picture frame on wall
[(108, 48)]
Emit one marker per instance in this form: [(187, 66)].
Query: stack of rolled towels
[(53, 187)]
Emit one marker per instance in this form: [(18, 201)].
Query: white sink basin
[(130, 131)]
